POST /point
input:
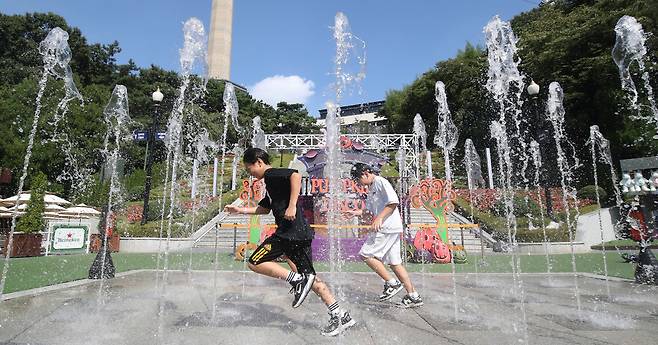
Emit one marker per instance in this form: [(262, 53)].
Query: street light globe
[(157, 96), (533, 88)]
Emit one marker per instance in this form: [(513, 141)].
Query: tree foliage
[(32, 220), (82, 129), (565, 41)]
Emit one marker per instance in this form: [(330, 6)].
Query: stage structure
[(375, 142)]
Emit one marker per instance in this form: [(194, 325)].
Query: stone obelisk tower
[(219, 44)]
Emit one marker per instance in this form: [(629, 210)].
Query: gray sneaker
[(390, 290), (337, 324), (411, 302)]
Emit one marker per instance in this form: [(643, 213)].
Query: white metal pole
[(428, 160), (214, 178), (489, 171), (195, 169), (48, 239), (234, 175)]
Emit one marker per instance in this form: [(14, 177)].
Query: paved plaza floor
[(251, 309)]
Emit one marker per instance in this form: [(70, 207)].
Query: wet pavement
[(136, 308)]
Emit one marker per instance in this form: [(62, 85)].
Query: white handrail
[(203, 230)]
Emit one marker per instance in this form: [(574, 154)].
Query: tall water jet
[(258, 135), (350, 59), (56, 56), (349, 70), (474, 178), (117, 119), (447, 134), (446, 137), (201, 145), (630, 47), (597, 141), (231, 109), (192, 55), (555, 112), (401, 158), (505, 84), (421, 149), (77, 175), (535, 153)]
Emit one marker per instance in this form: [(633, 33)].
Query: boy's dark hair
[(358, 169), (253, 154)]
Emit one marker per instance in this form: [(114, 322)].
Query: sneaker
[(390, 290), (300, 289), (338, 324), (411, 302)]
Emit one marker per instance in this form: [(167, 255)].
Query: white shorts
[(385, 247)]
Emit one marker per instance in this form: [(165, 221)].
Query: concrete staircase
[(471, 239), (224, 237)]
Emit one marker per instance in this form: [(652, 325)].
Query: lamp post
[(280, 125), (541, 136), (157, 97)]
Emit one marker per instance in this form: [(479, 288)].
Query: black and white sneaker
[(390, 290), (338, 324), (301, 288), (411, 302)]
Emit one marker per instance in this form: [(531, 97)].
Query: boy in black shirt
[(292, 238)]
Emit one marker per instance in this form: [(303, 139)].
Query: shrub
[(589, 192), (134, 184)]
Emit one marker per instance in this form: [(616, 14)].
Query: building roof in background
[(355, 113)]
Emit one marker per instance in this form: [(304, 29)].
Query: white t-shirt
[(380, 194)]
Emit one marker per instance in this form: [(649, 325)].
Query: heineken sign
[(68, 238)]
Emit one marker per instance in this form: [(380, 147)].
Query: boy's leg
[(384, 249), (322, 290), (292, 265), (306, 263), (270, 269), (261, 261), (403, 277), (373, 248), (301, 257), (393, 258), (377, 266)]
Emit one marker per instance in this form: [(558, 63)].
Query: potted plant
[(27, 237)]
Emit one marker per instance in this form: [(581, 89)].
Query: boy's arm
[(247, 210), (379, 219), (295, 189)]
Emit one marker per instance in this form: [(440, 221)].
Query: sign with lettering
[(68, 238), (140, 135)]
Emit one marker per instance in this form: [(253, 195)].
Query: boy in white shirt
[(383, 244)]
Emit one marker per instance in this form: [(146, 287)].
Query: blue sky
[(291, 38)]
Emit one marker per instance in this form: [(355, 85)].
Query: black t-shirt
[(277, 198)]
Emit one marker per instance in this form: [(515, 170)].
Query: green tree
[(32, 220), (294, 119), (568, 41)]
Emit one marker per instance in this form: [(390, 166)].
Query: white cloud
[(279, 88)]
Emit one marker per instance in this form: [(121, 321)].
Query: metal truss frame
[(376, 142)]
